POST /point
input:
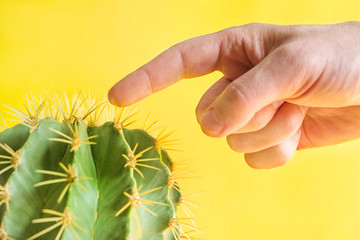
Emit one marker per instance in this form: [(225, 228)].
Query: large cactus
[(71, 170)]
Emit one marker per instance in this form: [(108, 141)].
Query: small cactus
[(70, 169)]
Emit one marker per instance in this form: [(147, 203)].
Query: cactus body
[(65, 177)]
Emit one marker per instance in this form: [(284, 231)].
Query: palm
[(327, 126)]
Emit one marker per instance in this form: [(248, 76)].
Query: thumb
[(275, 78)]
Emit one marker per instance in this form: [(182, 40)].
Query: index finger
[(191, 58)]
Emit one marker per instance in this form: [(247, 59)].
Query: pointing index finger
[(191, 58)]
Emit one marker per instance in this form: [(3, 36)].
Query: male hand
[(284, 87)]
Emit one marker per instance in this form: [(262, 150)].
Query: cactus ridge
[(71, 169)]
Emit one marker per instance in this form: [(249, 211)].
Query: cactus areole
[(70, 169)]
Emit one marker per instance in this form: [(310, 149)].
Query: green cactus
[(71, 170)]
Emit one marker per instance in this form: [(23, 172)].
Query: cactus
[(70, 169)]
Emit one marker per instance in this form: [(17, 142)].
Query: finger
[(261, 118), (265, 83), (274, 156), (210, 95), (286, 122), (191, 58)]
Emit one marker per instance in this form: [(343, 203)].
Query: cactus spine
[(70, 169)]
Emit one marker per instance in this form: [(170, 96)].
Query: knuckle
[(256, 25), (296, 55), (286, 55), (246, 30), (228, 31), (147, 78), (233, 34), (177, 50)]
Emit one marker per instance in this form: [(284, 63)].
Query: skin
[(284, 88)]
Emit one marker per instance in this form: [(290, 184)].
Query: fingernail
[(211, 122)]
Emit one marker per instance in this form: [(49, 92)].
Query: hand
[(284, 87)]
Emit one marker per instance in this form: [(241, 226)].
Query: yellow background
[(90, 44)]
